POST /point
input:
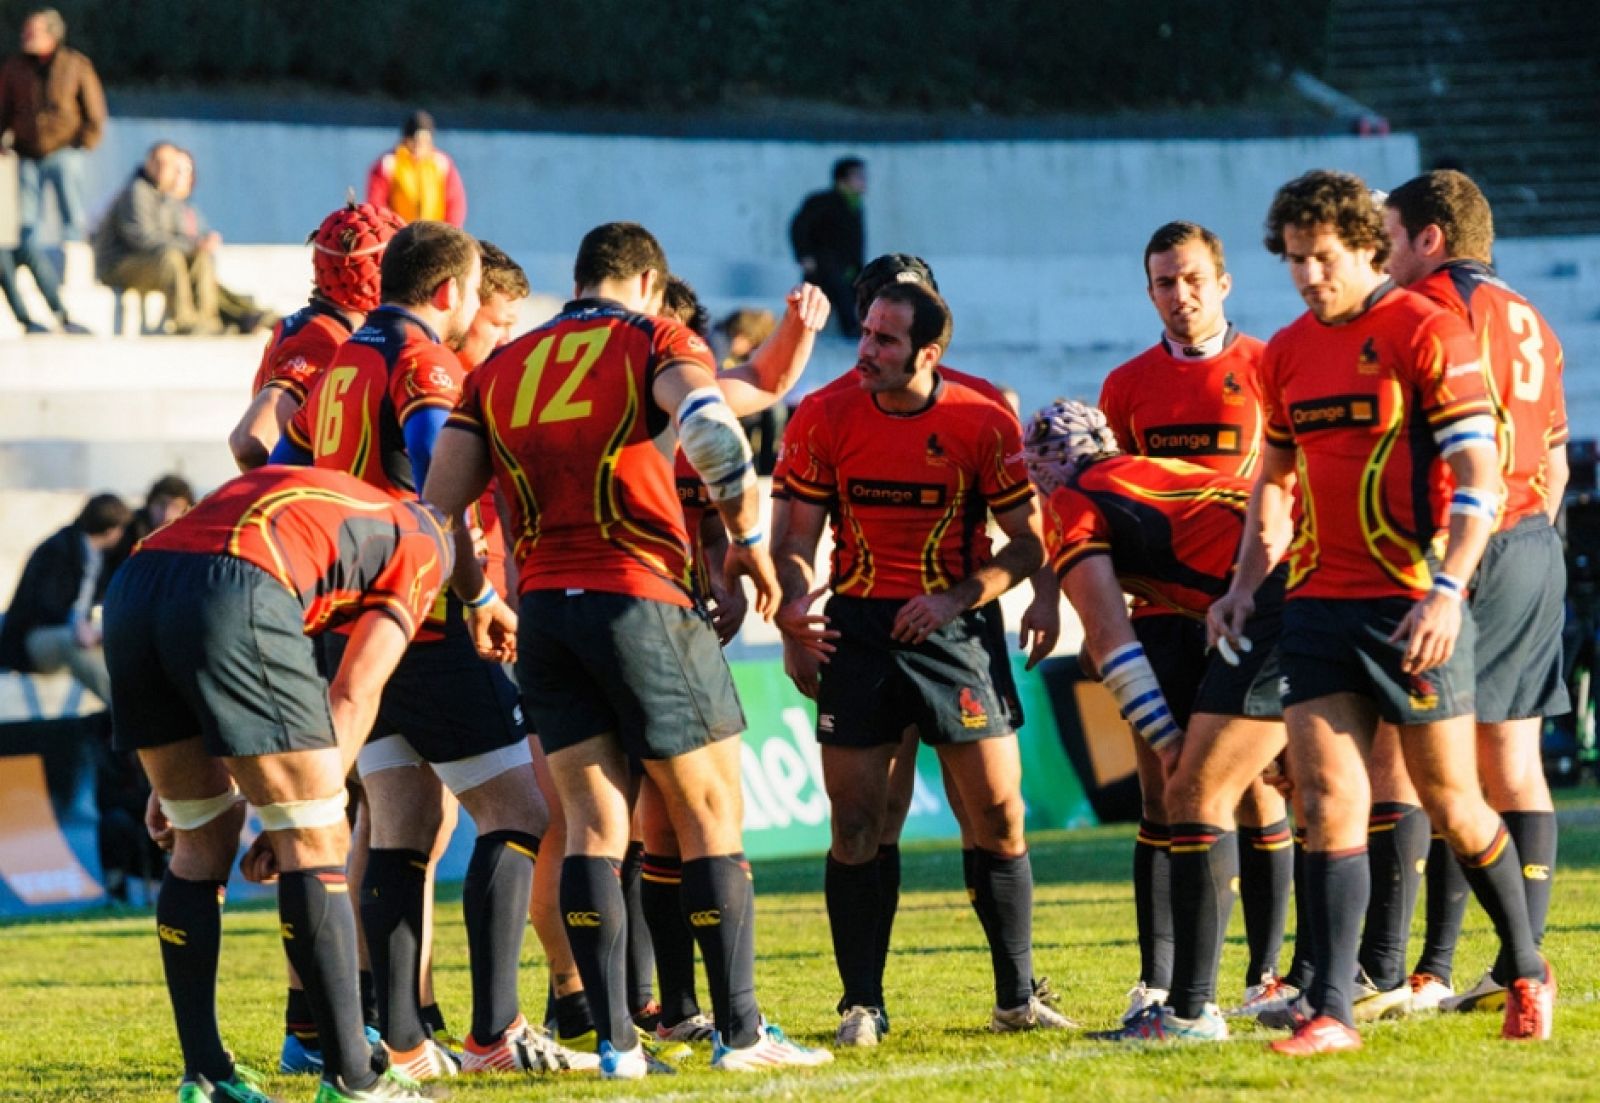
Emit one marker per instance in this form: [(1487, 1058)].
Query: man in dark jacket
[(829, 238), (53, 109), (53, 622), (147, 242)]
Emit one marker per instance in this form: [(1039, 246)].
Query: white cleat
[(861, 1026), (1427, 992), (1140, 998), (1271, 992), (770, 1050), (1033, 1015)]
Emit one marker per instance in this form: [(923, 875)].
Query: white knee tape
[(192, 815), (469, 773), (303, 815), (389, 753)]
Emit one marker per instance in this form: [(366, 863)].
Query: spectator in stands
[(238, 311), (170, 497), (744, 330), (143, 244), (52, 109), (417, 180), (54, 620), (829, 238)]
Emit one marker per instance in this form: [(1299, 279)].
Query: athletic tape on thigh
[(291, 815), (388, 753), (473, 771), (191, 815)]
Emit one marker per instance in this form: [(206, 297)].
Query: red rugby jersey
[(339, 546), (1170, 527), (1207, 412), (583, 454), (696, 500), (301, 348), (1361, 402), (1523, 361), (851, 381), (908, 495)]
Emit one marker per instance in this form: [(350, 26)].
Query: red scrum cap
[(347, 252)]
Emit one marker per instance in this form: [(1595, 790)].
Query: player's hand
[(728, 609), (922, 616), (808, 303), (155, 822), (259, 865), (1429, 632), (755, 564), (1276, 776), (1227, 617), (803, 666), (804, 629), (494, 631), (1041, 628)]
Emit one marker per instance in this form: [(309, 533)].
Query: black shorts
[(447, 701), (649, 672), (1176, 648), (213, 646), (996, 642), (1251, 688), (873, 686), (1334, 645), (1519, 604)]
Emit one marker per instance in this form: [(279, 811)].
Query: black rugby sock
[(319, 935), (571, 1014), (1152, 902), (1495, 874), (1535, 836), (641, 954), (297, 1019), (1302, 967), (851, 892), (1397, 848), (597, 929), (661, 900), (432, 1017), (718, 901), (1205, 862), (1266, 878), (494, 901), (1446, 910), (392, 893), (1008, 884), (369, 994), (189, 925), (1340, 881), (888, 905)]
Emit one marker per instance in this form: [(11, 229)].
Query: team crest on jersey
[(1423, 693), (1367, 362), (695, 344), (973, 714), (935, 449), (1232, 392)]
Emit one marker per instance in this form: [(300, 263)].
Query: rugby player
[(216, 686), (574, 422), (347, 249), (1166, 530), (1365, 394), (901, 465), (377, 413), (1192, 396), (1443, 237)]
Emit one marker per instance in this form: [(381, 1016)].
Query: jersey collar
[(389, 308), (1206, 350)]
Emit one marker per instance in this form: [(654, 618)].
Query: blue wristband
[(1448, 585), (488, 594), (749, 539)]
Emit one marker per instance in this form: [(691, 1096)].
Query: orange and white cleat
[(1323, 1034), (524, 1049), (428, 1061)]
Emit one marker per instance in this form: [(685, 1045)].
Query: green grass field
[(86, 1014)]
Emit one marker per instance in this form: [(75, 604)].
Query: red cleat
[(1323, 1034), (1531, 1008)]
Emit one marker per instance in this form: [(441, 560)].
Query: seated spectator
[(238, 311), (170, 497), (744, 330), (53, 621), (143, 244), (416, 180)]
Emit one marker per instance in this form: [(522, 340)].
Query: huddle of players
[(620, 669), (1347, 589)]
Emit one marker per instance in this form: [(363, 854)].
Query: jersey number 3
[(578, 353), (1527, 367)]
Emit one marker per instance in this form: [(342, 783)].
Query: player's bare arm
[(804, 631), (257, 433), (775, 367), (1268, 517), (377, 642), (457, 477), (1430, 629), (1023, 554), (728, 604), (1557, 472), (1040, 629)]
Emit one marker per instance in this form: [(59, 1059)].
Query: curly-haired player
[(347, 250)]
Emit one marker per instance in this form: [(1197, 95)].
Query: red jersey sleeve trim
[(811, 492), (296, 435), (394, 607), (292, 386), (1282, 438), (1475, 406), (1010, 497), (1068, 558), (438, 402)]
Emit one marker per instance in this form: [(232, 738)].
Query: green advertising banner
[(786, 806)]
